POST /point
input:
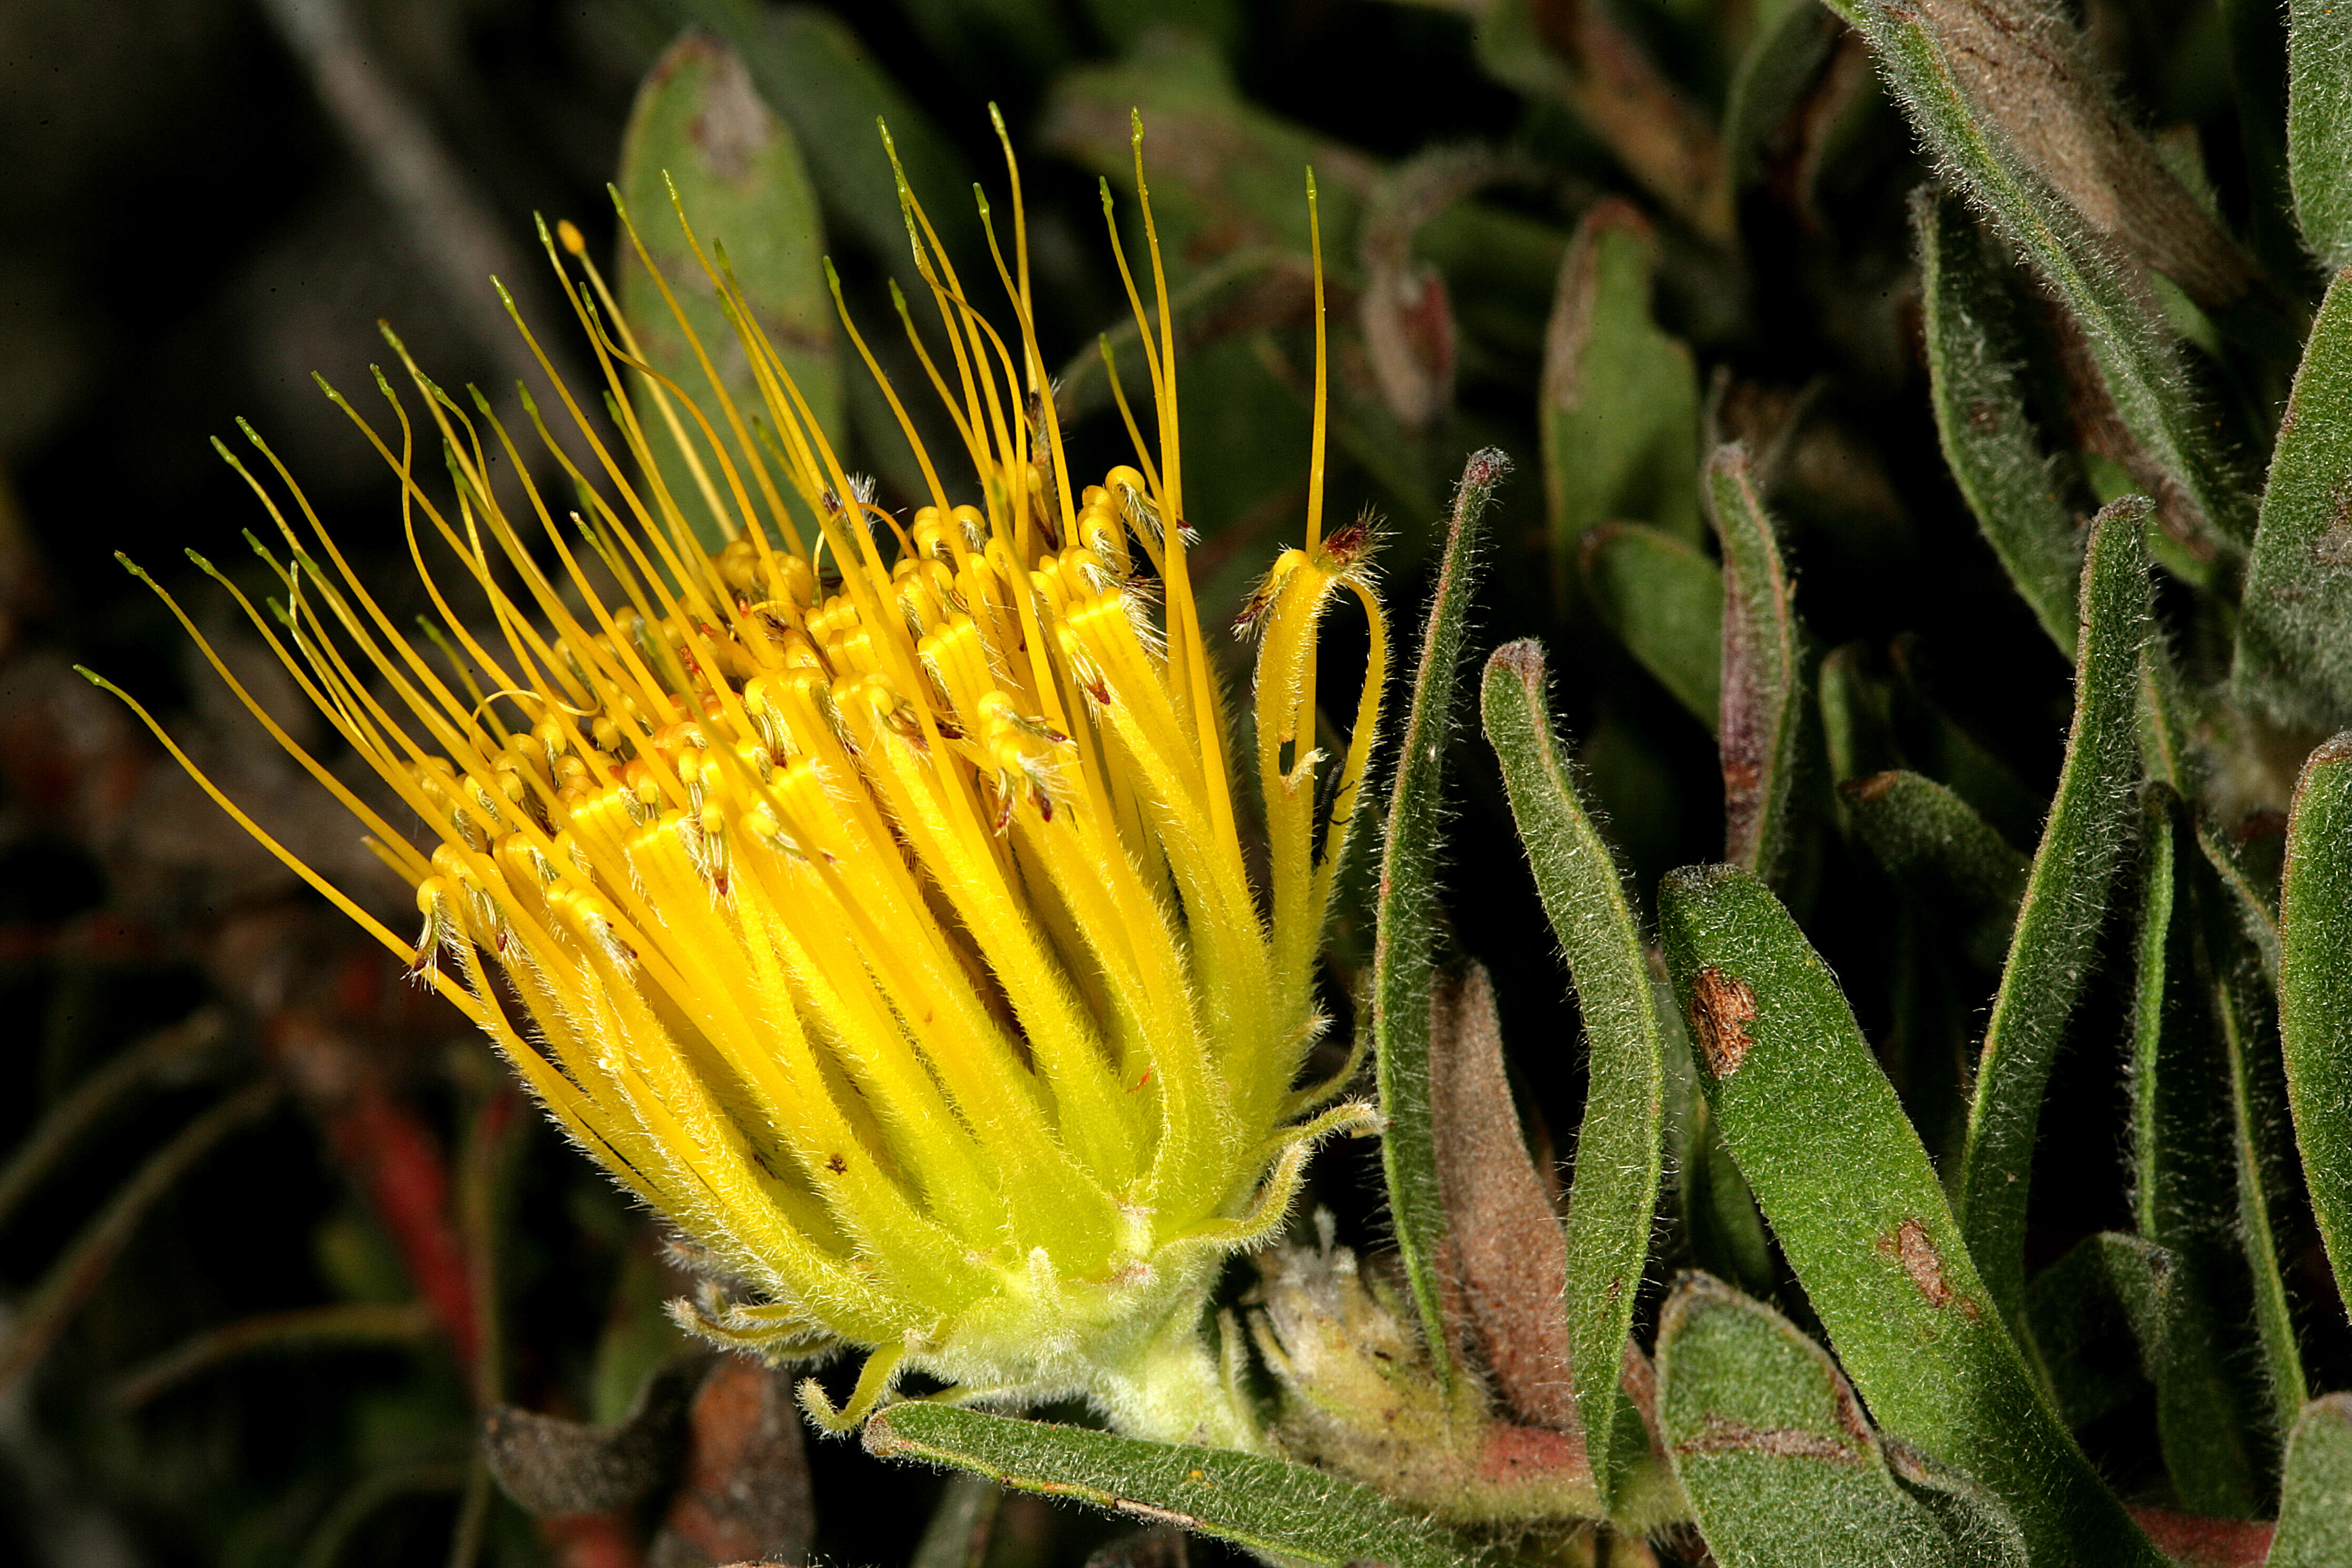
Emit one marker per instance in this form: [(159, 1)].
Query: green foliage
[(1973, 364), (1266, 1504), (1950, 860), (2293, 654), (702, 144), (2181, 1166), (1846, 1184), (2136, 361), (2314, 1525), (2314, 988), (2065, 901), (2319, 126), (1404, 943), (1779, 1462), (1664, 600), (1620, 404), (1615, 1188)]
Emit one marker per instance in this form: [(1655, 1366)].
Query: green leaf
[(2260, 1113), (2315, 990), (1775, 1454), (2319, 125), (1847, 1186), (1614, 1193), (2131, 348), (1777, 72), (1619, 400), (1257, 1502), (2294, 655), (2315, 1522), (1664, 600), (1403, 946), (2090, 829), (699, 126), (2181, 1161), (2097, 1317), (1948, 858), (811, 66), (1763, 672), (1973, 366)]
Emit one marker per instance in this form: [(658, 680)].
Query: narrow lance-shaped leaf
[(1972, 367), (2319, 125), (1664, 600), (2181, 1170), (2090, 827), (1777, 1458), (2315, 1523), (2294, 655), (2097, 1316), (1763, 671), (1847, 1186), (1255, 1500), (1947, 858), (2315, 990), (699, 128), (1403, 945), (811, 66), (1615, 1190), (2259, 1116), (1620, 401), (2132, 348)]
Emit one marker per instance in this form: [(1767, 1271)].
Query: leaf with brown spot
[(1778, 1459), (1822, 1139), (1721, 1008)]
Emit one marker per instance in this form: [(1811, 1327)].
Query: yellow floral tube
[(868, 897)]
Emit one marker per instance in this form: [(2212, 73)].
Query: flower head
[(867, 897)]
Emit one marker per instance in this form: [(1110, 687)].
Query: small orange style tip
[(568, 234)]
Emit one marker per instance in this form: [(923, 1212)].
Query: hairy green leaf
[(2095, 1315), (2130, 346), (2182, 1165), (2260, 1117), (1619, 400), (1256, 1501), (1664, 599), (2319, 125), (2314, 988), (2294, 655), (1763, 669), (1974, 378), (1403, 946), (1945, 857), (1615, 1190), (699, 128), (1776, 1456), (1821, 1138), (811, 66), (2315, 1522), (2084, 844)]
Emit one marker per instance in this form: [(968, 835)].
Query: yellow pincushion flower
[(869, 901)]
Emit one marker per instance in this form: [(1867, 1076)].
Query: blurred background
[(275, 1233)]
